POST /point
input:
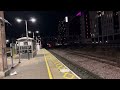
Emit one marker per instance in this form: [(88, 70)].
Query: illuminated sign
[(66, 19), (78, 14)]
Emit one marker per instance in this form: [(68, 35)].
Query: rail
[(93, 57)]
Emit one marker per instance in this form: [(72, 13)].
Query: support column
[(3, 57)]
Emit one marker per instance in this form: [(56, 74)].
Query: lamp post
[(33, 20), (33, 33), (33, 38)]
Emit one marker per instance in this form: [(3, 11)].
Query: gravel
[(103, 70), (81, 72)]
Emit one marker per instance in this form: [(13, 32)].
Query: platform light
[(37, 32), (7, 41), (29, 32), (32, 19), (18, 20), (106, 41)]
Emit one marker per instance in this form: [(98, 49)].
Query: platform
[(43, 66)]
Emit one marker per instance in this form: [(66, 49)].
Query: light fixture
[(37, 31), (7, 41), (29, 32), (18, 20), (33, 20)]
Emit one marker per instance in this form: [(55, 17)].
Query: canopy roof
[(24, 38)]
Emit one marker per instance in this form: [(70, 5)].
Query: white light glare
[(7, 41), (29, 32), (19, 20), (37, 31), (33, 20)]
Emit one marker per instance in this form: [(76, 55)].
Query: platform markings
[(48, 68), (66, 75)]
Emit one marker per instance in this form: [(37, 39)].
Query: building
[(101, 24), (63, 32), (74, 29), (85, 28), (69, 32), (100, 27)]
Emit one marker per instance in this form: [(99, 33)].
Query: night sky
[(47, 22)]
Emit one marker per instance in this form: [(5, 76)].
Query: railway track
[(97, 66), (93, 57), (80, 71)]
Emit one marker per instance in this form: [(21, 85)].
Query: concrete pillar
[(3, 57)]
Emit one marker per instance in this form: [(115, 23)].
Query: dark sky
[(47, 22)]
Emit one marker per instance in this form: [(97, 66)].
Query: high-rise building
[(100, 27), (85, 27), (74, 29)]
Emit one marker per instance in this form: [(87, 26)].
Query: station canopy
[(24, 38)]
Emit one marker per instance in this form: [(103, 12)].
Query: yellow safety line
[(59, 65), (48, 69)]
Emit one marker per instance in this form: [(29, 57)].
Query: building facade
[(100, 27), (69, 32), (85, 28)]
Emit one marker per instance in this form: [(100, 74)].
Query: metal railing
[(12, 58)]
